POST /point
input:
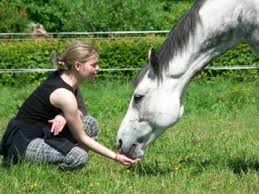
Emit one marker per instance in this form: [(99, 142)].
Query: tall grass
[(213, 149)]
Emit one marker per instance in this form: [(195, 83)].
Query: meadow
[(213, 149)]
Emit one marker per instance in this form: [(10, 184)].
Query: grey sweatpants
[(39, 151)]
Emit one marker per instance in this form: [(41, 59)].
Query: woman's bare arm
[(66, 101)]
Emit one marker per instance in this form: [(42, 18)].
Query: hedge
[(114, 53)]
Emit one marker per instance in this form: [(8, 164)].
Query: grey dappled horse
[(209, 29)]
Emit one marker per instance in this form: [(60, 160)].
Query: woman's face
[(90, 68)]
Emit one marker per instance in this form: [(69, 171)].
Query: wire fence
[(38, 70), (76, 35)]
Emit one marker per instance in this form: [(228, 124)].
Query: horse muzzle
[(132, 151)]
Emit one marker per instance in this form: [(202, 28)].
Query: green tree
[(50, 13), (106, 15), (13, 18), (89, 15)]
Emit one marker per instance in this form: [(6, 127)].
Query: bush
[(114, 53)]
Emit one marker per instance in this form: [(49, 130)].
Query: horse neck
[(216, 33)]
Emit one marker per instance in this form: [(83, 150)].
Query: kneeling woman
[(35, 135)]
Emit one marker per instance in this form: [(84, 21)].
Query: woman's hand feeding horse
[(209, 29)]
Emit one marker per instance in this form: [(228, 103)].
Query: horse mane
[(179, 36), (177, 39)]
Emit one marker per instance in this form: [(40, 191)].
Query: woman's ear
[(77, 65)]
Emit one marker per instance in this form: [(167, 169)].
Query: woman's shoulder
[(63, 93), (62, 97)]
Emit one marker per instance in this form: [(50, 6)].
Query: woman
[(35, 136)]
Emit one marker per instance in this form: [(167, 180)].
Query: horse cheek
[(168, 112)]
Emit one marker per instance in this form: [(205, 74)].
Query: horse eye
[(138, 98)]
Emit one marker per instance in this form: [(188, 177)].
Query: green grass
[(213, 149)]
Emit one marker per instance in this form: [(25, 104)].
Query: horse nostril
[(119, 144)]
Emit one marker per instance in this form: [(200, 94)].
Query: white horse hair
[(209, 29)]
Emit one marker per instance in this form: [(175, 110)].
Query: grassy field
[(213, 149)]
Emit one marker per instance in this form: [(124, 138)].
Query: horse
[(206, 31)]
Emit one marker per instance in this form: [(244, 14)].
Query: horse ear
[(153, 60)]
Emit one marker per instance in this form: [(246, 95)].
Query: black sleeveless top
[(31, 121), (37, 109)]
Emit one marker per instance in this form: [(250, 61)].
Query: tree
[(13, 18)]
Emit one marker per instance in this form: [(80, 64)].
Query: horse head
[(153, 108)]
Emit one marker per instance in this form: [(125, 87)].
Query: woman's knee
[(77, 157), (91, 126)]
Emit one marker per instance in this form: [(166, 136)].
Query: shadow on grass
[(240, 166), (155, 168), (152, 169)]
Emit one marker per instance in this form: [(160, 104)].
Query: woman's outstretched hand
[(58, 124), (125, 160)]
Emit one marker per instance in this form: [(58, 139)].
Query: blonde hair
[(78, 52)]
